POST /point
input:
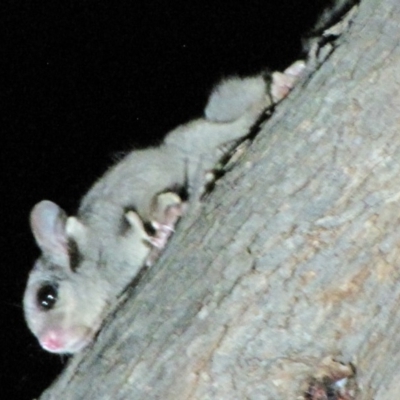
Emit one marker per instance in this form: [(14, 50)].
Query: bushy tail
[(231, 98)]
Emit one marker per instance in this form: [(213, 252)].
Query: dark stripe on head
[(75, 256)]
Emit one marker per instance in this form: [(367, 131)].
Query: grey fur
[(110, 257)]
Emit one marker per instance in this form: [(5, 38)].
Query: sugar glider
[(88, 259)]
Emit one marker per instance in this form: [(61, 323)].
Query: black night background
[(84, 81)]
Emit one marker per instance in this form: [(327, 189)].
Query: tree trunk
[(292, 258)]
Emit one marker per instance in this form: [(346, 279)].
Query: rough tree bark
[(293, 257)]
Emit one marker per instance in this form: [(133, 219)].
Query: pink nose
[(52, 341)]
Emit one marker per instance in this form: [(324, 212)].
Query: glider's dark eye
[(47, 296)]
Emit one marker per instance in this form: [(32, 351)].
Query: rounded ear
[(48, 227)]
